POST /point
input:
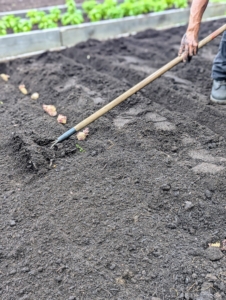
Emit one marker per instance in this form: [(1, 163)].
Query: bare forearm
[(197, 9), (189, 43)]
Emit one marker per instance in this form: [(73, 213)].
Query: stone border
[(14, 45)]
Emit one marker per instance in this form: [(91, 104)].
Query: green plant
[(35, 16), (73, 16), (160, 5), (132, 8), (16, 24), (71, 6), (109, 9), (114, 13), (47, 23), (79, 148), (43, 20), (217, 1), (3, 29), (148, 5), (87, 6), (55, 14), (105, 10), (23, 25), (10, 21), (96, 14), (177, 3)]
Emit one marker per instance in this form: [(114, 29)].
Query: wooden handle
[(143, 83)]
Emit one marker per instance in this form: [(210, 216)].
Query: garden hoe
[(134, 89)]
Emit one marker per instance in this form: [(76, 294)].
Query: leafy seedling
[(35, 16), (3, 28), (89, 5), (177, 3), (105, 10), (74, 18), (47, 23), (148, 6), (10, 21), (16, 24), (79, 148), (96, 14), (71, 6), (23, 25), (114, 13), (55, 14)]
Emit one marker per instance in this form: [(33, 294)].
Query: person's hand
[(189, 47)]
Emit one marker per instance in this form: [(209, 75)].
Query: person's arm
[(189, 43)]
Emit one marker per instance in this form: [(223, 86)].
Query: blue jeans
[(219, 64)]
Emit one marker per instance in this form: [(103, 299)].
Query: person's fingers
[(195, 46), (191, 50), (181, 50), (188, 48), (182, 46), (186, 53)]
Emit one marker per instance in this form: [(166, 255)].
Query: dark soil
[(131, 217)]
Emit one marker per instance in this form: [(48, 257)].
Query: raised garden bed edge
[(14, 45)]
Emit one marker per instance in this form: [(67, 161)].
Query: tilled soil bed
[(132, 215)]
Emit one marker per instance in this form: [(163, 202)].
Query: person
[(189, 48)]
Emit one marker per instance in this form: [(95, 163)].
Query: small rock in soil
[(217, 296), (25, 297), (127, 275), (40, 269), (58, 261), (206, 292), (222, 286), (93, 153), (211, 277), (214, 253), (187, 296), (166, 187), (71, 298), (33, 272), (12, 223), (25, 269), (205, 296), (188, 205), (58, 279), (12, 272), (191, 230), (208, 194), (112, 266)]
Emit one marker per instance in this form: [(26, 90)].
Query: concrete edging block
[(72, 35), (16, 44)]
